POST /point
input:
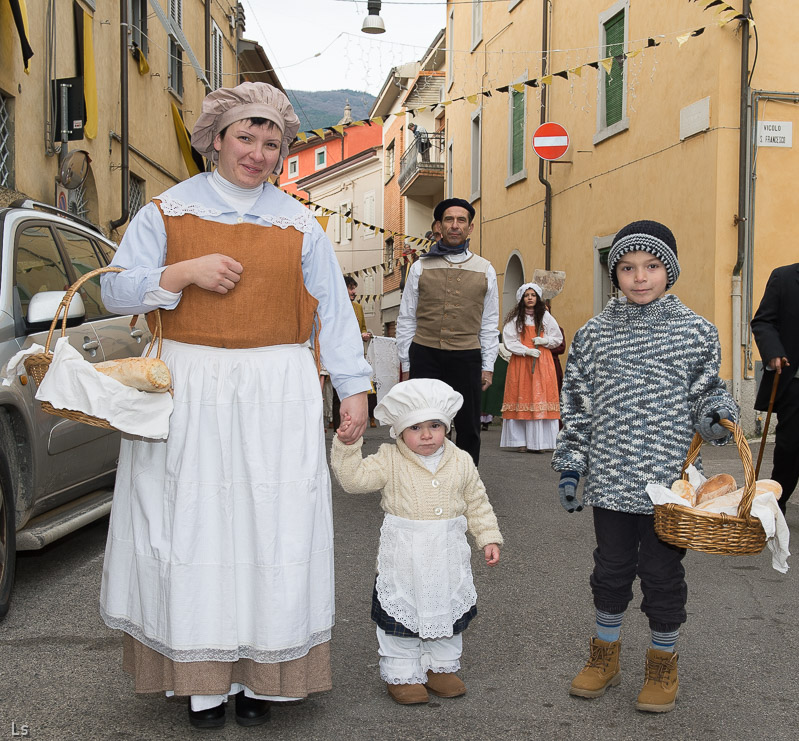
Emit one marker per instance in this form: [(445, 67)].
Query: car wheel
[(8, 540)]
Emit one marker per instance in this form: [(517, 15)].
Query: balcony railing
[(416, 162)]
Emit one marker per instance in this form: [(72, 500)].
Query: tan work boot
[(445, 684), (600, 672), (661, 687), (408, 694)]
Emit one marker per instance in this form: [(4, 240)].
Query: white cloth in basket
[(764, 507), (72, 383)]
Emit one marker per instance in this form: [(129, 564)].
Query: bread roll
[(715, 486), (732, 499), (683, 489), (765, 485), (144, 374)]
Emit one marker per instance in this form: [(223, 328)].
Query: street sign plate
[(550, 141)]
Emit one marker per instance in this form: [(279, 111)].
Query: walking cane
[(768, 419)]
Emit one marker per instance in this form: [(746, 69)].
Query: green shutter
[(517, 133), (614, 82)]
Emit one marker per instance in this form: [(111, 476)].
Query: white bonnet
[(418, 400), (526, 287), (225, 106)]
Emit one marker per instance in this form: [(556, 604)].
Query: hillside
[(326, 107)]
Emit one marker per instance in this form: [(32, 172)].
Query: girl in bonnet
[(431, 493), (219, 563), (530, 407)]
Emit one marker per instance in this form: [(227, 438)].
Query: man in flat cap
[(447, 323)]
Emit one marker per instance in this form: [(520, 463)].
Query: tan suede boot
[(600, 672), (408, 694), (445, 684), (661, 687)]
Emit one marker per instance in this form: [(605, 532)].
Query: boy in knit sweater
[(431, 492), (641, 377)]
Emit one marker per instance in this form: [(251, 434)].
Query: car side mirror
[(44, 305)]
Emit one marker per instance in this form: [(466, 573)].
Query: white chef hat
[(526, 287), (418, 400)]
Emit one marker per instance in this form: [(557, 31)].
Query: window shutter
[(517, 138), (614, 82)]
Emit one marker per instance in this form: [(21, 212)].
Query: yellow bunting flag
[(472, 99), (633, 53), (577, 71), (546, 80), (445, 103), (338, 128), (319, 132), (607, 64), (683, 38), (302, 136), (323, 222), (358, 123), (378, 120), (400, 114)]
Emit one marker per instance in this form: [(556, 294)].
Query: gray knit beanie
[(645, 236)]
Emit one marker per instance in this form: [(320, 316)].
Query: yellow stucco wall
[(642, 172), (151, 127)]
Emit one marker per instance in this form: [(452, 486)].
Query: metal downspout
[(541, 162), (123, 108), (208, 46), (743, 159)]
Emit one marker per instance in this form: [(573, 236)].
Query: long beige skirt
[(154, 672)]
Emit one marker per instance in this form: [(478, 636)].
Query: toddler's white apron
[(221, 538), (424, 578)]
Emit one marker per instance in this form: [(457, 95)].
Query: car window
[(39, 266), (83, 255)]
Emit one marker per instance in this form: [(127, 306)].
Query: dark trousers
[(626, 546), (461, 369), (786, 443)]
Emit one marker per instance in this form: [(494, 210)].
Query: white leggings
[(407, 660), (204, 702)]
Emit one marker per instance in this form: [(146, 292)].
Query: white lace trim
[(260, 655), (424, 579), (446, 668), (302, 222), (413, 679)]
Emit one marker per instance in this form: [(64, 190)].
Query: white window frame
[(293, 162), (138, 25), (603, 286), (475, 181), (450, 48), (217, 48), (515, 177), (345, 230), (369, 201), (477, 23), (390, 162), (175, 67), (604, 132), (317, 152)]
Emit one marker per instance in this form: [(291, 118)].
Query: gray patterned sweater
[(639, 381)]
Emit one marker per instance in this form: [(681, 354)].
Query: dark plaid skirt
[(394, 628)]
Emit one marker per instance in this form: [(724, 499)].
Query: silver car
[(56, 475)]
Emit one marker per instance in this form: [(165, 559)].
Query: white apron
[(424, 575), (220, 544)]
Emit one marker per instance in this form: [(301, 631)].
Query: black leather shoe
[(251, 712), (210, 718)]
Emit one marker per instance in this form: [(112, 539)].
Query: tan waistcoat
[(449, 311), (269, 305)]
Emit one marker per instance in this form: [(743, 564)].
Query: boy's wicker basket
[(710, 532), (36, 365)]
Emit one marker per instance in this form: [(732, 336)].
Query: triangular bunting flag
[(633, 53), (546, 80), (319, 132), (339, 128), (532, 83), (700, 31), (445, 103), (302, 136), (651, 42), (683, 38), (503, 89), (577, 71), (472, 98), (518, 87), (607, 64), (563, 73), (378, 120)]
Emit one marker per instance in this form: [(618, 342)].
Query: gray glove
[(533, 352), (710, 427), (567, 490), (538, 341)]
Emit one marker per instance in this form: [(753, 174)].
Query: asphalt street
[(61, 679)]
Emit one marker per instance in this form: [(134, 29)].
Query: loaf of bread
[(683, 489), (715, 486), (731, 499), (144, 374), (765, 485)]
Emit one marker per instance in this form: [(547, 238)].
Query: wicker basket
[(711, 532), (36, 365)]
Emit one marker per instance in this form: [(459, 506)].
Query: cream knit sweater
[(409, 490)]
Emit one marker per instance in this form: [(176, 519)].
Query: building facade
[(650, 95)]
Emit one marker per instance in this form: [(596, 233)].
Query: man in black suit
[(776, 330)]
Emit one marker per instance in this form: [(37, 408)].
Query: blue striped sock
[(665, 640), (608, 626)]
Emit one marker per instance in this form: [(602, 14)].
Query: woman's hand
[(354, 416), (492, 554), (217, 273)]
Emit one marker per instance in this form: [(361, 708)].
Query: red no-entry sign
[(550, 141)]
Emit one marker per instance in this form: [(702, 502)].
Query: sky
[(319, 45)]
